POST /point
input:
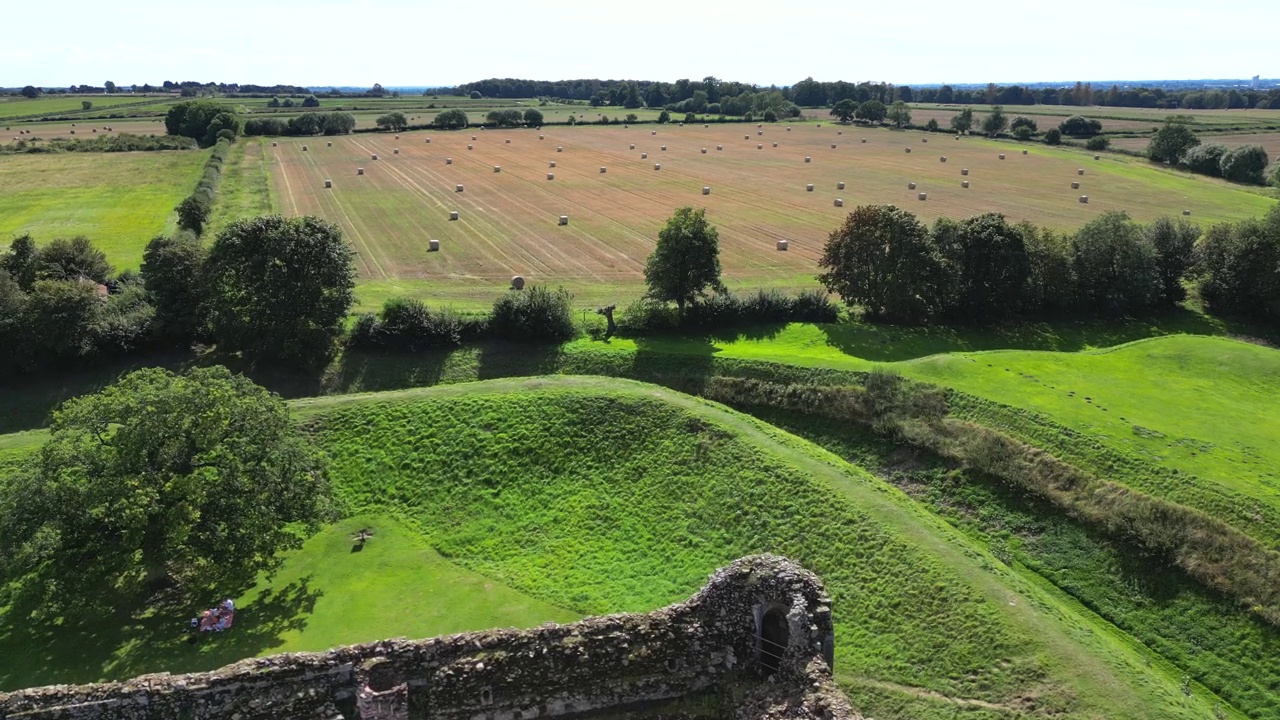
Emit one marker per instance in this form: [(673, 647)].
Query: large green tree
[(985, 266), (279, 288), (201, 120), (883, 259), (899, 114), (1240, 269), (451, 119), (872, 111), (192, 481), (1115, 267), (393, 121), (1174, 242), (64, 259), (845, 109), (995, 122), (21, 261), (172, 268), (686, 261), (1171, 142), (1245, 164), (963, 122)]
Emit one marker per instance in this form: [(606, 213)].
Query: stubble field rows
[(508, 220)]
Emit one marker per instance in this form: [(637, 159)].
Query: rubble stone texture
[(755, 643)]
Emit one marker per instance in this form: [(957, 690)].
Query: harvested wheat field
[(509, 219)]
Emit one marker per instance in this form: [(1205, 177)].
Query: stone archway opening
[(775, 633)]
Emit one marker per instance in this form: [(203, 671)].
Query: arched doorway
[(772, 640)]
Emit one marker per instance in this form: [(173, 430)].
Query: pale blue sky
[(406, 42)]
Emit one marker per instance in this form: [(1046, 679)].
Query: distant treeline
[(811, 93)]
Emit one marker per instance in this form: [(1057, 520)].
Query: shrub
[(535, 314), (1171, 142), (1240, 268), (1098, 143), (1115, 267), (452, 119), (663, 117), (648, 317), (1022, 133), (932, 125), (1205, 159), (1023, 121), (1053, 136), (770, 116), (409, 326), (1245, 164), (1080, 126)]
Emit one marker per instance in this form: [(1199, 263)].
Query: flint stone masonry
[(755, 642)]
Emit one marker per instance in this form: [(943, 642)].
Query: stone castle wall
[(756, 641)]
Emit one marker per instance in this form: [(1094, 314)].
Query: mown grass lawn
[(117, 200)]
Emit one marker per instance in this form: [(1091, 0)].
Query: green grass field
[(20, 107), (599, 495), (117, 200)]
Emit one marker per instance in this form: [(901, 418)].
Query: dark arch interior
[(774, 635), (383, 677)]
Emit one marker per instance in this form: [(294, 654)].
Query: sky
[(428, 42)]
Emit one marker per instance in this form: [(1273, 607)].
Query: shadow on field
[(139, 639), (888, 343)]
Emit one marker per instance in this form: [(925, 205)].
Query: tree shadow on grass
[(125, 642), (890, 343)]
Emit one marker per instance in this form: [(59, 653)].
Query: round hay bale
[(542, 137), (508, 141), (908, 151), (706, 190), (395, 151), (397, 137), (657, 166), (517, 282), (840, 185), (775, 144), (964, 171), (782, 246), (551, 176), (911, 186), (759, 132), (1084, 199), (833, 146), (704, 151), (373, 156), (564, 220), (559, 148), (428, 141), (1075, 186), (864, 141), (808, 188), (470, 147), (664, 148), (681, 123), (746, 137), (328, 183), (807, 158), (644, 156), (275, 144), (433, 245), (706, 125), (719, 147), (448, 161), (95, 129), (819, 124), (839, 202), (602, 169), (1186, 212), (653, 132), (329, 145), (964, 184), (942, 159), (497, 168), (473, 137), (924, 140), (1097, 157), (1024, 152), (626, 127), (304, 148), (457, 188), (1079, 171), (553, 164), (453, 214), (839, 132), (359, 171), (923, 196), (632, 146), (759, 146), (1001, 156), (759, 125), (788, 128)]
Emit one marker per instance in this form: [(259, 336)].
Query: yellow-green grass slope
[(117, 200), (513, 502)]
